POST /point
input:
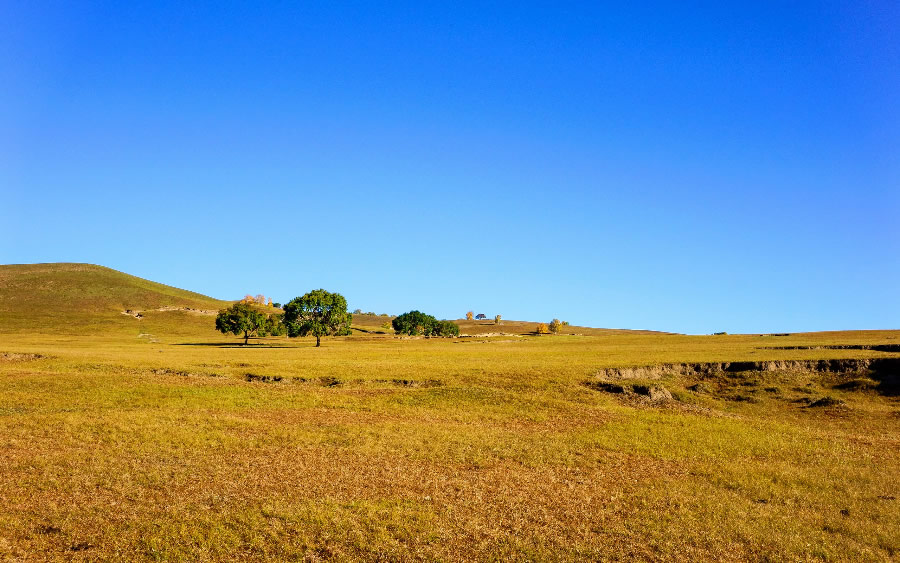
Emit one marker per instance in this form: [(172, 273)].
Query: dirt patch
[(262, 378), (206, 312), (884, 371), (827, 402), (648, 393), (325, 381), (846, 366), (19, 357), (469, 337), (140, 314), (182, 373), (411, 382), (701, 388), (875, 347)]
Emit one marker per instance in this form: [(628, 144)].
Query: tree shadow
[(886, 371), (233, 345), (365, 331)]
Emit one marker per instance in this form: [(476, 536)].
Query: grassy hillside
[(86, 287), (83, 298), (477, 327), (78, 298)]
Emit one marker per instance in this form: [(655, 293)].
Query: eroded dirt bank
[(886, 366)]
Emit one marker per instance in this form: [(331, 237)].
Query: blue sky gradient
[(694, 168)]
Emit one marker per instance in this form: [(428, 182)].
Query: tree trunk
[(246, 337), (318, 341)]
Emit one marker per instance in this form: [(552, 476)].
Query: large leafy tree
[(445, 328), (415, 322), (242, 317), (319, 313)]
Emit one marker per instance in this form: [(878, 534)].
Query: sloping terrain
[(65, 298), (79, 298), (479, 327)]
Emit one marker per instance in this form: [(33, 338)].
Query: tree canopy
[(416, 323), (319, 313), (244, 318)]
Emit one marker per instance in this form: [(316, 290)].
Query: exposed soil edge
[(875, 347), (844, 366), (20, 357)]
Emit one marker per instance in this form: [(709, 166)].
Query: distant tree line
[(370, 313), (317, 313), (554, 327), (470, 315)]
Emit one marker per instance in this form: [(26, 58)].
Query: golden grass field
[(161, 439)]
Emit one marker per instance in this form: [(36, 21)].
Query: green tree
[(445, 328), (319, 313), (242, 317), (275, 325), (415, 323)]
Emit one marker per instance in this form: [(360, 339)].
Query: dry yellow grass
[(117, 447), (161, 439)]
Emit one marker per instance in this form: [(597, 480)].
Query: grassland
[(161, 439)]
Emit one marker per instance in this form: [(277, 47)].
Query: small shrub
[(827, 402), (861, 384), (700, 388)]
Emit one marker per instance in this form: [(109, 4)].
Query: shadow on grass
[(233, 345), (887, 372), (365, 331)]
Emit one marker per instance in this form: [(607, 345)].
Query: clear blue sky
[(718, 166)]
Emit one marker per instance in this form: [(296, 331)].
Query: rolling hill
[(64, 297)]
